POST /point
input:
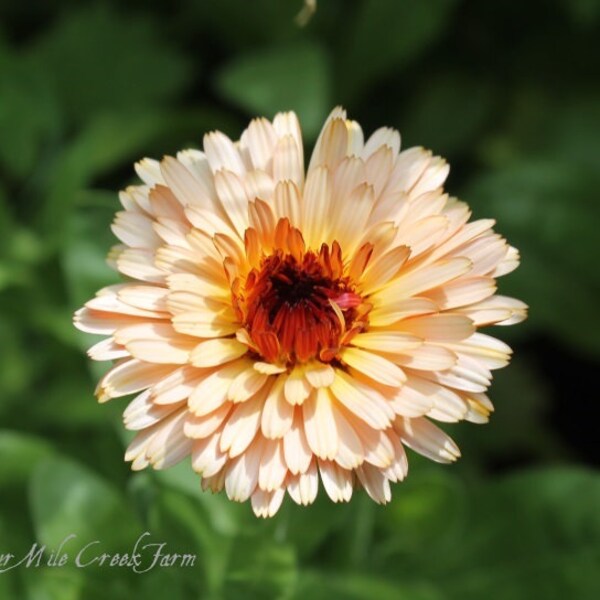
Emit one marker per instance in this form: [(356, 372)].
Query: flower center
[(297, 307)]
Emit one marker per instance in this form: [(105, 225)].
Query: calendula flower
[(284, 328)]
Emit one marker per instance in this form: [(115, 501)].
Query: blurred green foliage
[(506, 90)]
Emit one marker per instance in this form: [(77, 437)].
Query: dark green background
[(507, 91)]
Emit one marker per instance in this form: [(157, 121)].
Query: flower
[(284, 329)]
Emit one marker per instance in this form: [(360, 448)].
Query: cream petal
[(266, 504), (384, 136), (141, 412), (372, 365), (135, 230), (413, 282), (303, 487), (242, 425), (246, 384), (140, 264), (297, 388), (508, 264), (381, 271), (491, 351), (286, 123), (273, 468), (319, 424), (385, 314), (336, 481), (232, 194), (178, 385), (259, 185), (378, 168), (278, 414), (211, 392), (375, 483), (188, 188), (409, 166), (442, 403), (295, 445), (462, 292), (241, 475), (331, 146), (319, 374), (496, 310), (433, 177), (387, 341), (217, 352), (316, 202), (144, 297), (425, 438), (439, 327), (287, 162), (129, 377), (206, 323), (148, 170), (260, 138), (287, 202), (398, 470), (222, 154), (364, 401), (428, 357), (169, 445), (206, 425), (107, 350), (207, 459)]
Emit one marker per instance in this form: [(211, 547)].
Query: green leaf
[(530, 535), (295, 77), (67, 498), (261, 568), (386, 36), (226, 517), (548, 211), (95, 59), (447, 114), (20, 453), (108, 140), (534, 534), (51, 583), (352, 586), (29, 114), (88, 241)]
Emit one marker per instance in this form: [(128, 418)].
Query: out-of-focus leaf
[(447, 114), (387, 35), (549, 211), (281, 78), (352, 586), (517, 427), (311, 528), (16, 365), (20, 453), (29, 114), (55, 583), (261, 568), (527, 535), (226, 517), (428, 510), (531, 535), (563, 129), (186, 528), (108, 140), (66, 498), (88, 241), (241, 25), (96, 60)]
